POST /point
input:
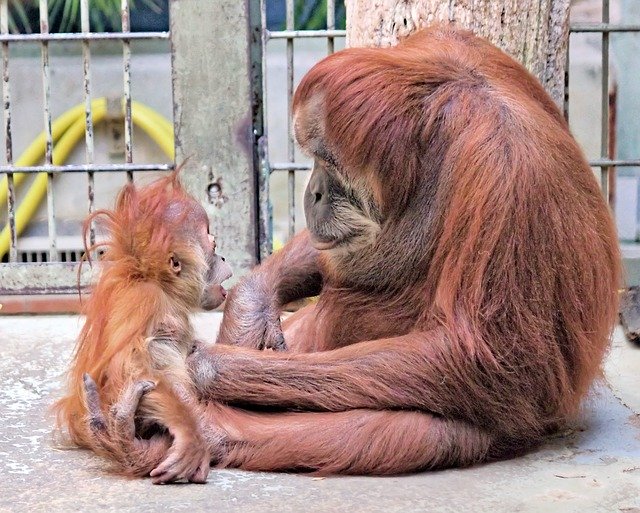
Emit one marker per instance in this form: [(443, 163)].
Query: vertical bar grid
[(6, 101), (331, 24), (290, 139), (46, 85), (86, 70), (266, 238), (604, 134), (607, 155), (54, 276), (126, 61), (565, 99)]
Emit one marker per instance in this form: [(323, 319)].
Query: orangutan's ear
[(174, 264)]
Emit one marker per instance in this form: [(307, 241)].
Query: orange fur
[(472, 320), (137, 317)]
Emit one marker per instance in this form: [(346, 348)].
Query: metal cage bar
[(126, 72), (604, 104), (46, 86), (81, 36), (6, 100), (301, 34), (605, 26), (265, 221), (291, 180), (86, 168), (88, 116), (331, 25)]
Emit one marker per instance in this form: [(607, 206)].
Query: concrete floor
[(594, 468)]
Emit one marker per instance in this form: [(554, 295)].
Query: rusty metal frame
[(53, 276), (606, 163), (290, 34)]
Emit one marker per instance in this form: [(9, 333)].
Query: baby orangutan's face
[(194, 231), (217, 272)]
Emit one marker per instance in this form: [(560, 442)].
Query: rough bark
[(533, 32)]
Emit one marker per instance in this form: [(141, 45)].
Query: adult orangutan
[(466, 264)]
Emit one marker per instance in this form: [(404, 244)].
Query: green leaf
[(18, 18), (64, 15)]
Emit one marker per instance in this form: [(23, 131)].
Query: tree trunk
[(535, 32)]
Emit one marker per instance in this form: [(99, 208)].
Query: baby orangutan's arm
[(173, 405)]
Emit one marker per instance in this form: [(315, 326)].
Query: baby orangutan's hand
[(188, 459), (114, 435)]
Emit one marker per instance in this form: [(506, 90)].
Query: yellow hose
[(156, 126), (69, 130), (35, 151)]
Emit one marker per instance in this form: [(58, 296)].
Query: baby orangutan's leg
[(114, 435)]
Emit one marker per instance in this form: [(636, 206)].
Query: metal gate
[(216, 80), (605, 163), (220, 94), (608, 161)]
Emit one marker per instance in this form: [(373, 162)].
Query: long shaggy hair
[(132, 295), (507, 244)]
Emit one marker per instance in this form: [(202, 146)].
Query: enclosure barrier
[(66, 132), (290, 34), (606, 163), (55, 276), (229, 168)]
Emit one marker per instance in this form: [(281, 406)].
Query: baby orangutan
[(160, 264)]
